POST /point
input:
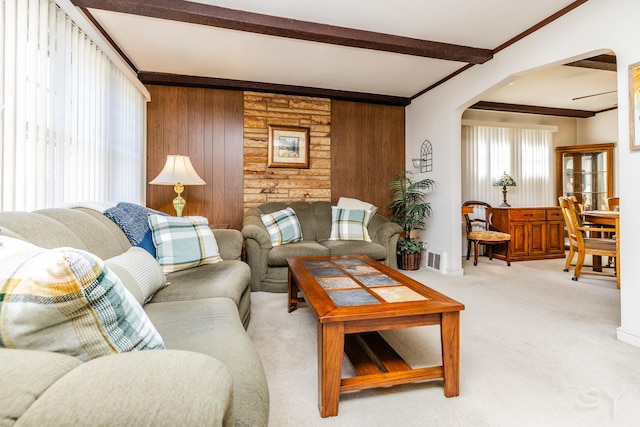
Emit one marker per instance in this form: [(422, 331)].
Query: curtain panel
[(525, 154), (72, 124)]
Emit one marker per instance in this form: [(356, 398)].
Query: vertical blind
[(525, 154), (72, 123)]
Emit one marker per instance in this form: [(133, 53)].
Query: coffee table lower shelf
[(377, 364)]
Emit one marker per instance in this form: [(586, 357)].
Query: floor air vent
[(434, 259)]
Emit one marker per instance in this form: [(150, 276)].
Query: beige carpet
[(537, 349)]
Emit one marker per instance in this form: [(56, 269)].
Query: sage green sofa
[(210, 373), (268, 263)]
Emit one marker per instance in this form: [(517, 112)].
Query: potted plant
[(409, 208)]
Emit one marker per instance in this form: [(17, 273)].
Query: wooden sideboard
[(536, 232)]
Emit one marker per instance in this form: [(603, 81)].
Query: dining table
[(603, 218)]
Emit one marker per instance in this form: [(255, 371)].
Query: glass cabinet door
[(586, 172)]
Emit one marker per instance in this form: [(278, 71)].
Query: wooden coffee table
[(352, 298)]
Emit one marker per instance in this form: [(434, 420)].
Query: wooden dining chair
[(480, 231), (613, 204), (583, 246)]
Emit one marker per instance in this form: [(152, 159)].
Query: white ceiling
[(165, 46), (196, 50), (558, 86)]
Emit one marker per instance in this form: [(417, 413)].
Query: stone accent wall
[(262, 184)]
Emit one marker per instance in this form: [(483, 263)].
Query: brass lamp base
[(179, 202)]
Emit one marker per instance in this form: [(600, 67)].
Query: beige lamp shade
[(178, 171)]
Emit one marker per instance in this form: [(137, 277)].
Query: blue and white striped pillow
[(66, 300), (283, 226), (349, 224), (183, 242)]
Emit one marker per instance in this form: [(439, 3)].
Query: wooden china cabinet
[(586, 172)]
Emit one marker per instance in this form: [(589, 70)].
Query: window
[(525, 154), (72, 124)]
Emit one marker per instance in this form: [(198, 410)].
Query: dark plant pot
[(409, 261)]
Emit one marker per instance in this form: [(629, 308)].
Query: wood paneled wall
[(367, 151), (206, 125), (365, 143)]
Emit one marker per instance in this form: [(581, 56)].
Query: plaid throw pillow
[(183, 242), (67, 301), (283, 227), (349, 224)]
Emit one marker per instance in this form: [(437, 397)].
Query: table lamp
[(504, 181), (178, 171)]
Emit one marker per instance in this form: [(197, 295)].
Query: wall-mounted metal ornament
[(425, 161)]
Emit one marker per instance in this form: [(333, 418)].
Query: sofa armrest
[(257, 247), (150, 387), (257, 233), (229, 242), (386, 233)]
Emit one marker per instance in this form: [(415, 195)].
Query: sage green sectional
[(209, 374)]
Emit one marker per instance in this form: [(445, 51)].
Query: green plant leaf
[(410, 246), (409, 206)]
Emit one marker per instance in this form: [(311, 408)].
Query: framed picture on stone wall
[(634, 105), (288, 147)]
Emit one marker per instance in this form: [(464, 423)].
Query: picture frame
[(288, 147), (634, 106)]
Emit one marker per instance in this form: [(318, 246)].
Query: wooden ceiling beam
[(531, 109), (599, 62), (220, 17), (167, 79)]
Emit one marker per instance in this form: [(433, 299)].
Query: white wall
[(593, 28), (603, 128)]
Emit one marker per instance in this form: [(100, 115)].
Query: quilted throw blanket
[(132, 219)]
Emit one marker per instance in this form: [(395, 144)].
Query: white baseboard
[(628, 336), (453, 272)]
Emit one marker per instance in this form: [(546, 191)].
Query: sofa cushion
[(95, 236), (65, 300), (352, 247), (41, 230), (283, 227), (139, 272), (278, 255), (114, 232), (304, 211), (225, 279), (214, 328), (183, 242), (138, 389), (349, 224), (26, 374)]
